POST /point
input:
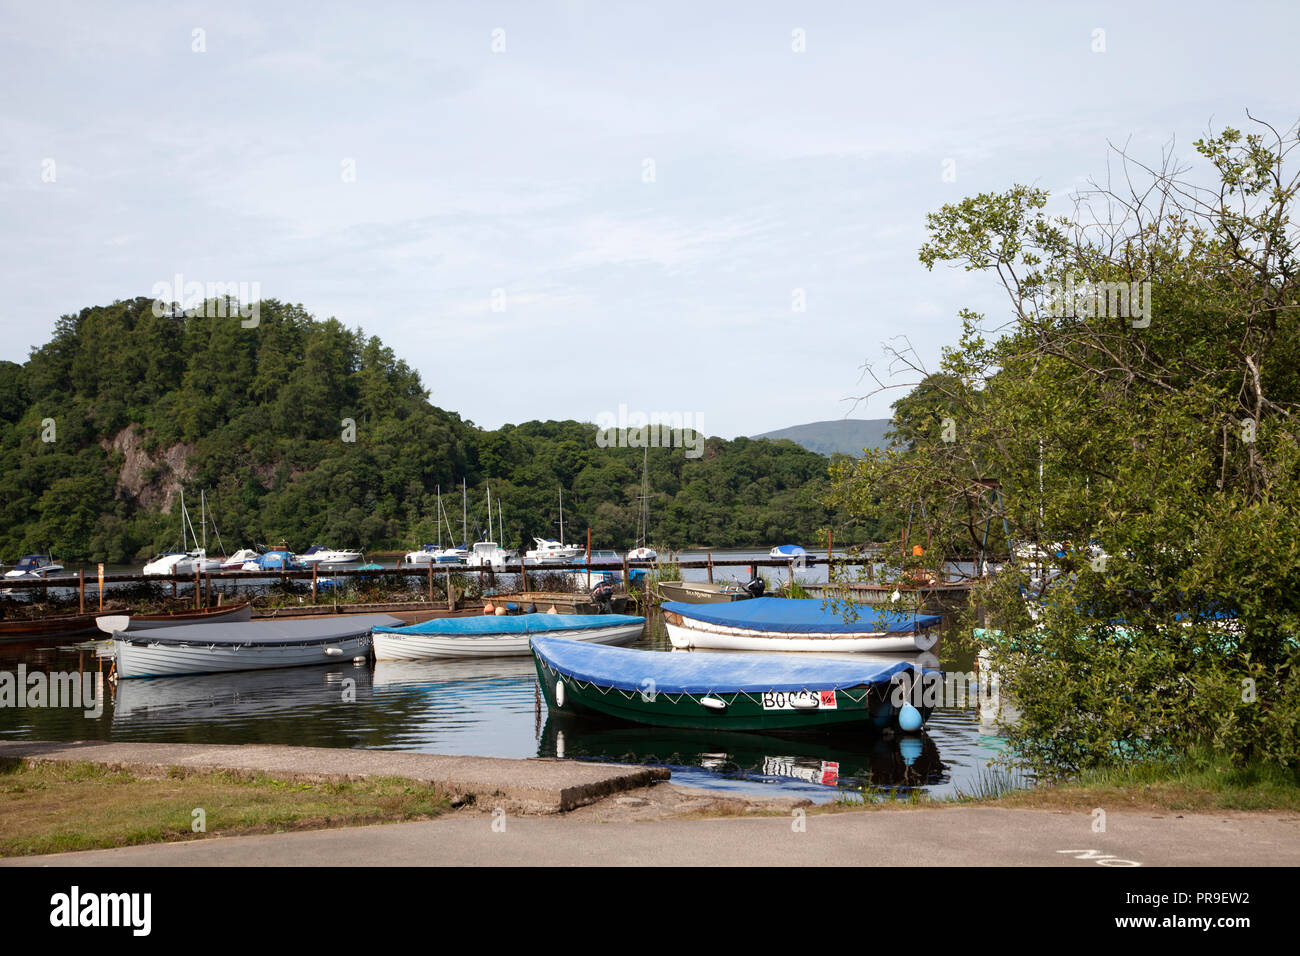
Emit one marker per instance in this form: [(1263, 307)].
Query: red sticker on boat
[(828, 700)]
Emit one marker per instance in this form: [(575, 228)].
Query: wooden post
[(173, 585), (588, 559), (451, 593), (81, 591), (791, 567), (430, 581), (710, 567), (523, 574), (101, 587), (313, 582), (627, 578)]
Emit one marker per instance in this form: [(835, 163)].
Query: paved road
[(923, 837)]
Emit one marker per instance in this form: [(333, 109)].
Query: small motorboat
[(499, 636), (322, 557), (554, 552), (725, 692), (237, 560), (34, 566), (786, 552), (256, 645), (274, 561), (112, 623), (643, 554), (796, 624), (701, 592)]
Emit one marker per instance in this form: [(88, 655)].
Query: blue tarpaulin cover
[(680, 672), (801, 616), (514, 624)]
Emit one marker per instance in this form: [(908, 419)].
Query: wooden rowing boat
[(112, 623)]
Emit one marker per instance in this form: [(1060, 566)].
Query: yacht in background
[(237, 560), (34, 566), (321, 557)]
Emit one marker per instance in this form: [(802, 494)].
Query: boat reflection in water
[(308, 706), (831, 765)]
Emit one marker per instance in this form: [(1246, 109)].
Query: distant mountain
[(848, 436)]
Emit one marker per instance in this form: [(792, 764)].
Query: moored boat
[(34, 566), (702, 592), (729, 692), (112, 623), (214, 648), (795, 624), (322, 557), (788, 551), (499, 636), (55, 626)]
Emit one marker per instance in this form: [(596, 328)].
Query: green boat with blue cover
[(731, 692)]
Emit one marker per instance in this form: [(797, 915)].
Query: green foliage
[(146, 405), (1159, 456)]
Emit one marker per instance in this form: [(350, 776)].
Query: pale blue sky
[(522, 170)]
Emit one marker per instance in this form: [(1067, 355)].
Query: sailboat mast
[(561, 514), (440, 517), (464, 515)]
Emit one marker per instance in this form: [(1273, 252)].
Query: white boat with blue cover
[(499, 635), (795, 624), (214, 648)]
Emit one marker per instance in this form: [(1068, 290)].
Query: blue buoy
[(909, 718)]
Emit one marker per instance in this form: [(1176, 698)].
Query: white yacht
[(237, 560), (485, 554), (320, 556), (554, 552), (173, 562)]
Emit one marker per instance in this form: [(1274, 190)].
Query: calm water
[(493, 708)]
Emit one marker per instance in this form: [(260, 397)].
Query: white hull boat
[(320, 557), (175, 562), (499, 636), (788, 624), (34, 566), (237, 560), (553, 552), (216, 648)]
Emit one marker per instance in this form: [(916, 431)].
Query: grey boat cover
[(263, 633)]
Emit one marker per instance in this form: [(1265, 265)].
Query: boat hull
[(140, 659), (112, 623), (222, 647), (691, 592), (421, 647), (686, 633), (866, 707)]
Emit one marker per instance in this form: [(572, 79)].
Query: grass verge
[(61, 807)]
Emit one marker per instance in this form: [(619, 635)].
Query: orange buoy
[(488, 608)]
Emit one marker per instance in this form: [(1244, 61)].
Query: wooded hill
[(103, 425)]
